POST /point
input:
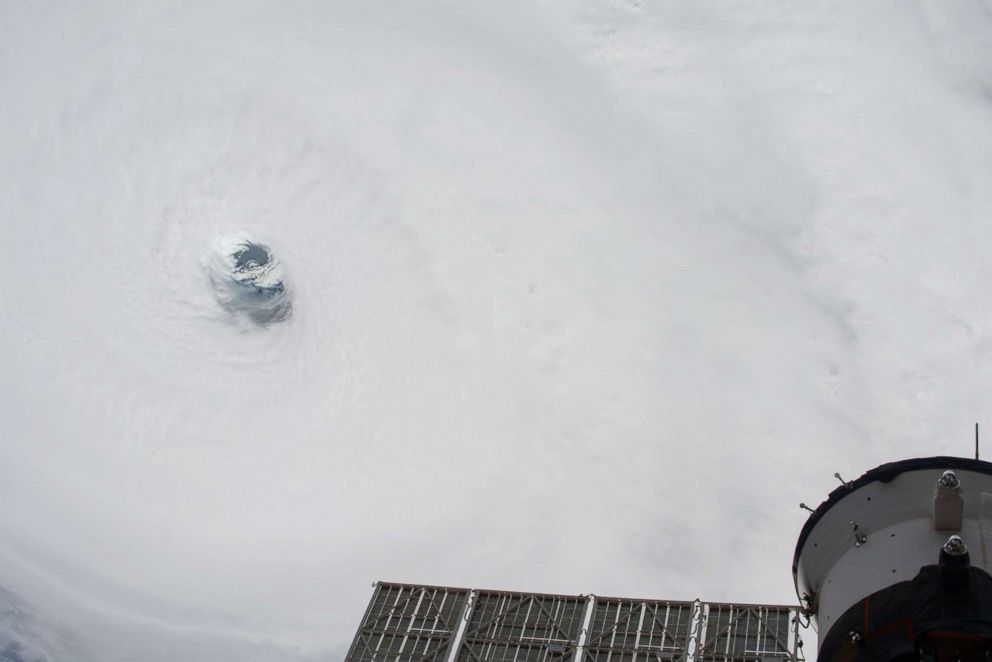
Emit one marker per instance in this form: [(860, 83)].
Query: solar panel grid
[(408, 623), (439, 624), (515, 627), (745, 633), (622, 629)]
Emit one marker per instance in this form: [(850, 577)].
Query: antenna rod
[(976, 441)]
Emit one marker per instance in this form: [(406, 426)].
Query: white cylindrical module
[(895, 565)]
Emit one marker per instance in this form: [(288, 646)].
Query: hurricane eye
[(249, 281)]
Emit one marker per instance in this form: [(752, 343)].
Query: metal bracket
[(859, 537)]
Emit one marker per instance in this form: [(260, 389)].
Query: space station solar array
[(442, 624)]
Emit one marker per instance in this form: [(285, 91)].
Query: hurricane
[(549, 296)]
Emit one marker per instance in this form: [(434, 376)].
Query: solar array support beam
[(463, 620), (584, 633)]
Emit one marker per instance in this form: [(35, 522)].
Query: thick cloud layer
[(585, 298)]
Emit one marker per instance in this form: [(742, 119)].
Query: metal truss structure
[(439, 624)]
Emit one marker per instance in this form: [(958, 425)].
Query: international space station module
[(895, 564)]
